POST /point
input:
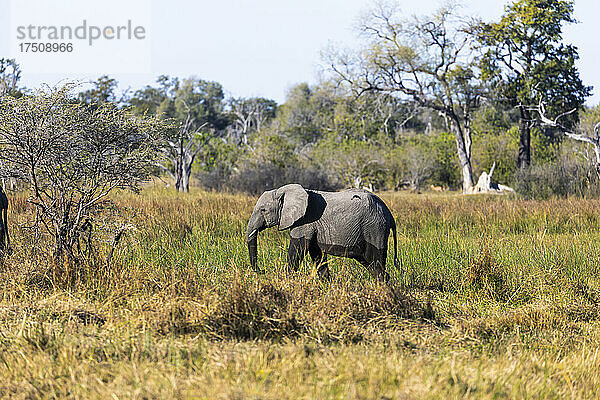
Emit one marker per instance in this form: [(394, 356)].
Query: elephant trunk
[(255, 225)]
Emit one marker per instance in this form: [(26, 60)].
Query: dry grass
[(500, 299)]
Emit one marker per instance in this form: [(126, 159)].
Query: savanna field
[(497, 297)]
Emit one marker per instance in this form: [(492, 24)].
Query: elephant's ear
[(295, 202)]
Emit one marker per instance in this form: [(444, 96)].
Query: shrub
[(568, 176), (215, 179), (72, 156), (255, 179)]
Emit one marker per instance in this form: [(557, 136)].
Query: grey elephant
[(4, 239), (352, 223)]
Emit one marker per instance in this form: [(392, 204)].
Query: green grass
[(497, 298)]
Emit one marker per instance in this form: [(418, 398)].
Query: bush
[(568, 176), (255, 179), (215, 179), (72, 156), (499, 148), (446, 171), (217, 161)]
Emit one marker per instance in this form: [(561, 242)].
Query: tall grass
[(496, 297)]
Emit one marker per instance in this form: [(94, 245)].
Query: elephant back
[(352, 217)]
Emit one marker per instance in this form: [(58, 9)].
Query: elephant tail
[(397, 263)]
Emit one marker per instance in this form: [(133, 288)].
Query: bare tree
[(194, 108), (427, 61), (180, 151), (72, 156), (250, 115), (588, 130)]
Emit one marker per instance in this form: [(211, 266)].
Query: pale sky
[(252, 47)]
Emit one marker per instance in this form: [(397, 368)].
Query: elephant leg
[(319, 258), (296, 253), (374, 259)]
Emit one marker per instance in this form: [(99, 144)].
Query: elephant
[(4, 238), (352, 223)]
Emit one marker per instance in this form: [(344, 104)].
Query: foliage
[(256, 178), (200, 99), (410, 164), (103, 90), (305, 115), (10, 74), (496, 141), (527, 54), (148, 99), (571, 174), (352, 162), (195, 108), (588, 120), (272, 163), (72, 156)]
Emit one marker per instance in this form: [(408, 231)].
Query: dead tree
[(180, 151), (592, 138), (428, 61), (250, 115)]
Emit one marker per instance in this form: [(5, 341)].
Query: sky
[(252, 47)]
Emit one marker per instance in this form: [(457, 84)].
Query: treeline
[(324, 136), (429, 102)]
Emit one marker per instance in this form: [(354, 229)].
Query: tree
[(587, 131), (103, 90), (149, 99), (249, 115), (425, 60), (319, 112), (306, 114), (526, 51), (352, 162), (72, 156), (196, 109), (10, 74)]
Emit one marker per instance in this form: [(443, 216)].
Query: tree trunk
[(183, 172), (524, 157), (63, 249), (178, 175), (185, 181), (463, 147)]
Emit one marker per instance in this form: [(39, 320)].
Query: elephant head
[(281, 207)]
